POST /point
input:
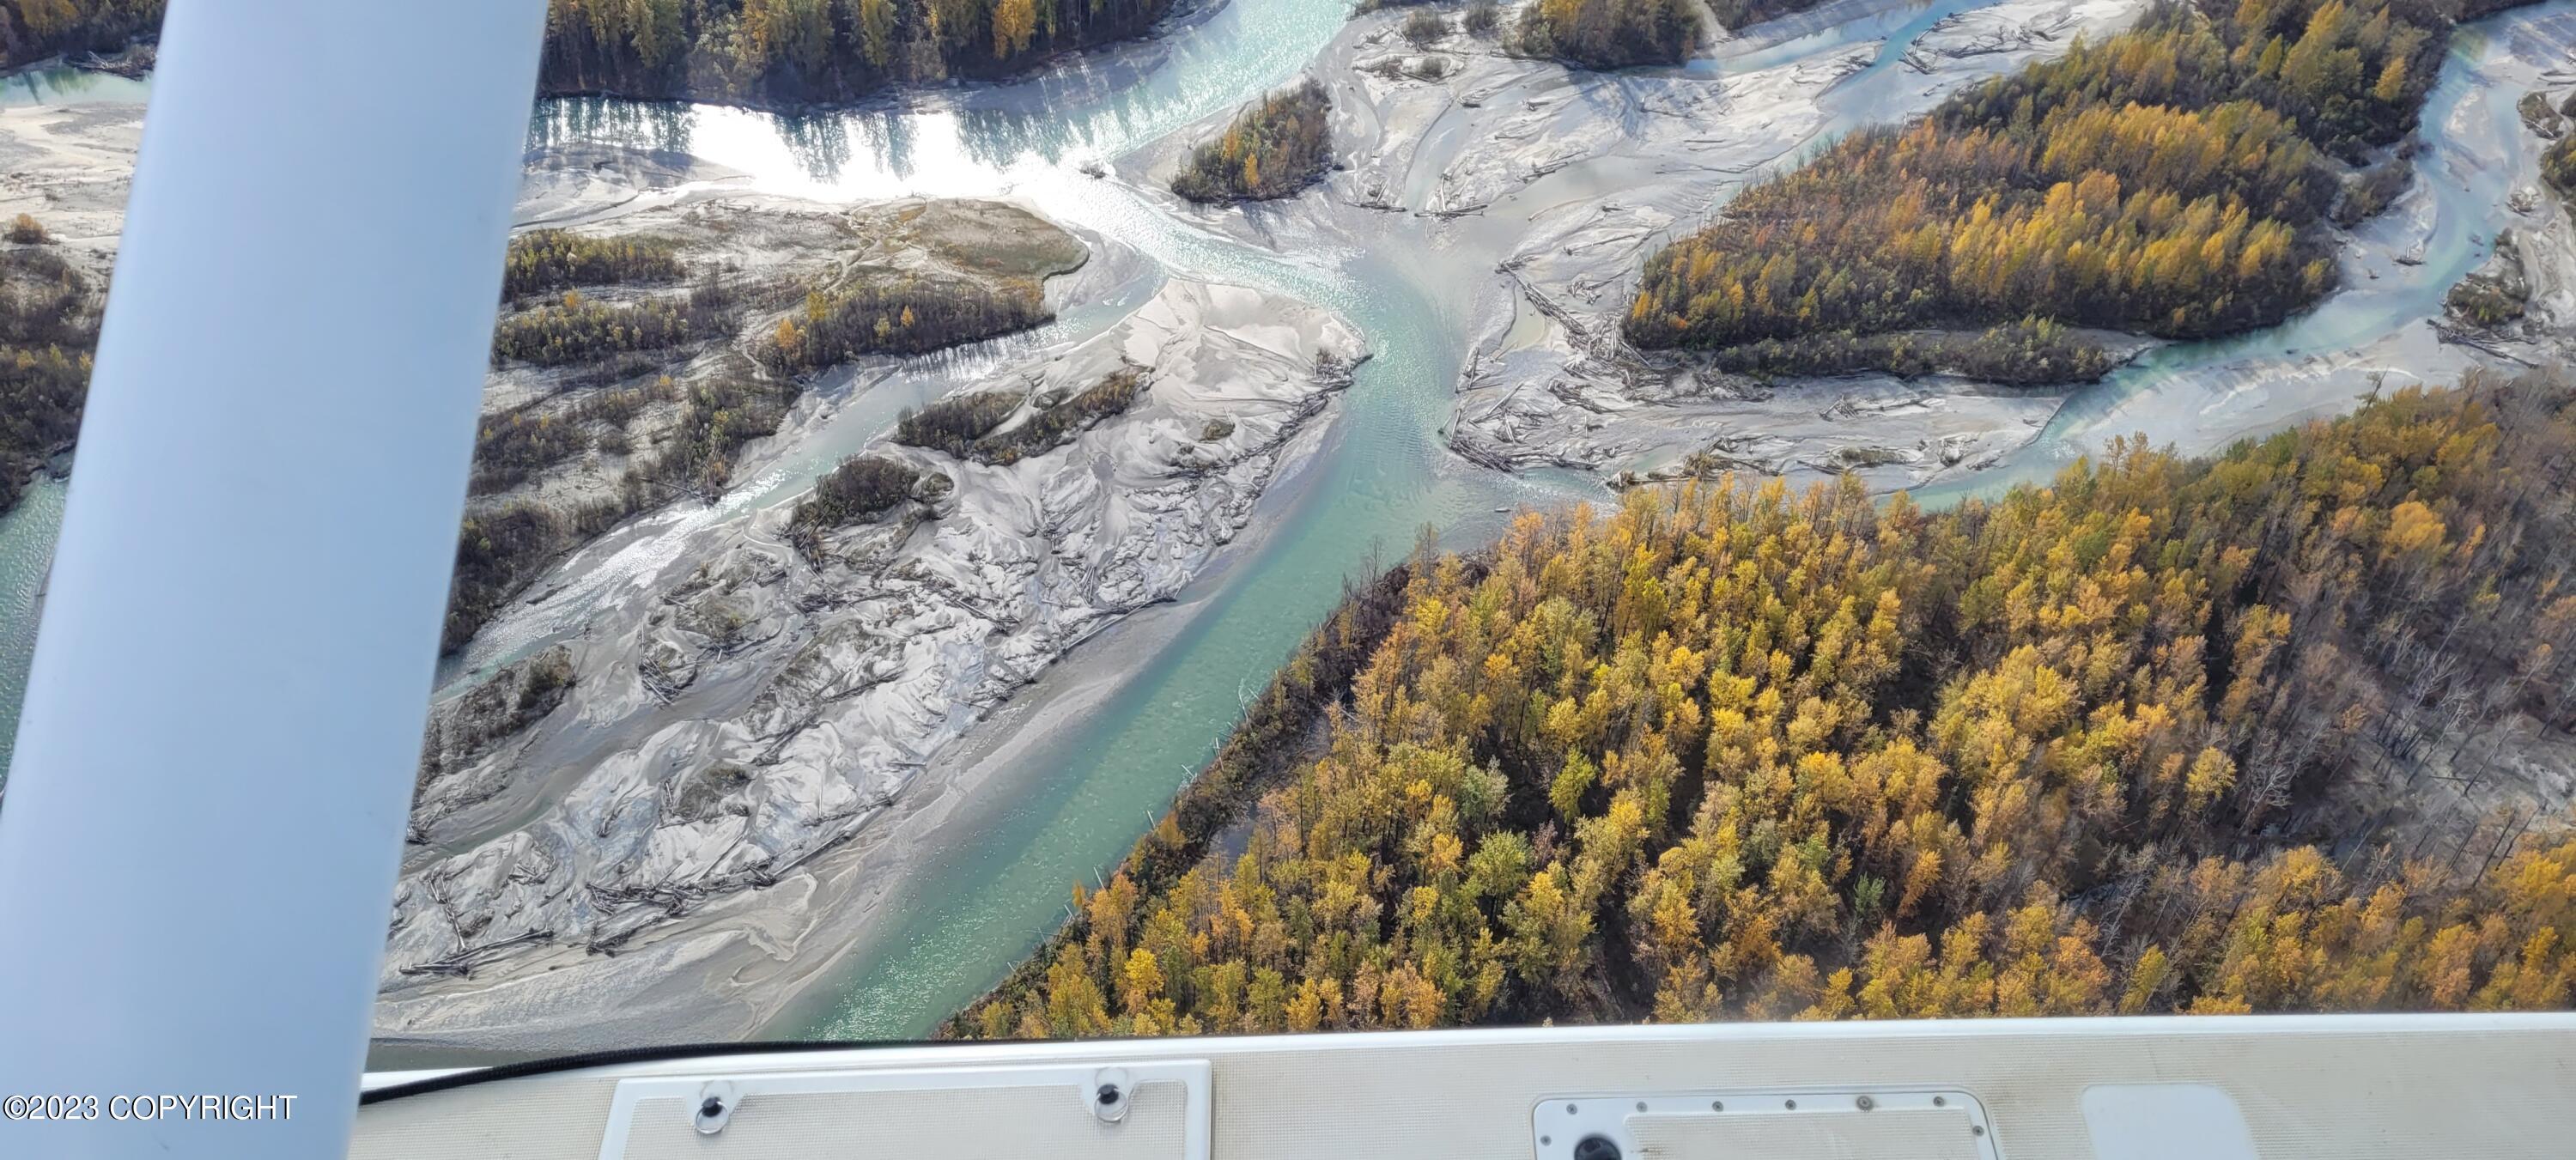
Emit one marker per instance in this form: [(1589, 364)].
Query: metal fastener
[(1112, 1090), (716, 1103)]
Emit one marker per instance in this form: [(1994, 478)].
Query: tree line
[(1608, 34), (2143, 740), (798, 52), (31, 30), (1271, 150), (549, 261), (2030, 352), (1737, 15), (2172, 180), (49, 316), (577, 329), (890, 312), (970, 425), (755, 52)]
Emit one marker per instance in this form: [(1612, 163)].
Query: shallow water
[(26, 552), (70, 86)]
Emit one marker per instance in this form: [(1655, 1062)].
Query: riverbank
[(749, 708), (1560, 181)]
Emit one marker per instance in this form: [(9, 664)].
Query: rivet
[(1569, 1109), (1976, 1129), (1641, 1105), (1717, 1105), (1793, 1105), (1865, 1103), (1940, 1102)]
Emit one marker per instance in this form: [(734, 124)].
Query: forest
[(1271, 150), (32, 30), (951, 424), (1608, 34), (2030, 352), (2173, 180), (576, 329), (48, 328), (768, 53), (785, 53), (549, 261), (2166, 735), (888, 312)]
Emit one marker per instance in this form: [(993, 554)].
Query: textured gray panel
[(1931, 1135), (2330, 1087), (994, 1123)]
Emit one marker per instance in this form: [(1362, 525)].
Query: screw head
[(1976, 1129), (716, 1104), (1596, 1148), (1717, 1105), (1641, 1105), (1793, 1105), (1110, 1091), (1940, 1101), (1865, 1103)]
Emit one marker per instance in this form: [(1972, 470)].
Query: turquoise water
[(26, 551), (70, 86)]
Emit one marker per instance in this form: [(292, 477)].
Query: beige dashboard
[(2211, 1088)]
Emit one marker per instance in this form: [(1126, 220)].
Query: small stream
[(998, 885)]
